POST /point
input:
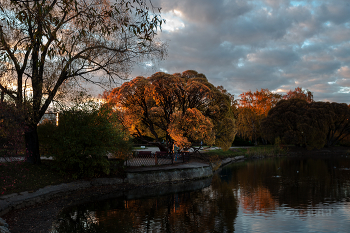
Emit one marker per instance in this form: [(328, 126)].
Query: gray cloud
[(248, 45), (337, 13)]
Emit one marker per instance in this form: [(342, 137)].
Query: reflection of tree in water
[(212, 209), (300, 183), (76, 221), (260, 201)]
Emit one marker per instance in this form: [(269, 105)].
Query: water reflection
[(281, 195), (291, 182), (215, 206)]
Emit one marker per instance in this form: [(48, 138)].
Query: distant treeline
[(295, 118)]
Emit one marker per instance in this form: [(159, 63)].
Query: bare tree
[(46, 45)]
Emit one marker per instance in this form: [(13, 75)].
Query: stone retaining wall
[(161, 176)]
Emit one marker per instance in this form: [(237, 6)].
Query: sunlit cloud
[(174, 21), (344, 71)]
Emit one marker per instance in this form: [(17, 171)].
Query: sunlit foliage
[(252, 108), (180, 108)]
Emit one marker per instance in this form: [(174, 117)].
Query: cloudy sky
[(252, 44)]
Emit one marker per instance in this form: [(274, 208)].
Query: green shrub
[(83, 138)]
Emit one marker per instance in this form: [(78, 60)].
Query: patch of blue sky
[(327, 24), (312, 5), (148, 63), (306, 43), (344, 90), (225, 44), (298, 3), (240, 62), (163, 70)]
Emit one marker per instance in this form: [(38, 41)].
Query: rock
[(4, 230), (4, 226)]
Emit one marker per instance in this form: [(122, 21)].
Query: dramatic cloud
[(252, 44)]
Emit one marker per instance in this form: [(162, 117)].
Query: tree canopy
[(178, 109), (49, 45), (299, 93), (313, 125), (251, 109)]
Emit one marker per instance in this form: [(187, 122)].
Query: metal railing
[(147, 158)]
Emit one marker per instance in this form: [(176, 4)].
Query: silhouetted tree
[(47, 45), (314, 124)]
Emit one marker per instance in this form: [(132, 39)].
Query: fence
[(147, 158)]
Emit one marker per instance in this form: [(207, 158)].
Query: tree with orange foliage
[(251, 109), (178, 109)]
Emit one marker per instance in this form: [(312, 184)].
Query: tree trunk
[(32, 145)]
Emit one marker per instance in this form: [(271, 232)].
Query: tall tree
[(46, 45), (180, 108), (252, 108)]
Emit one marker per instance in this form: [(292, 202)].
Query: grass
[(265, 151), (225, 154), (16, 177), (21, 176), (256, 151)]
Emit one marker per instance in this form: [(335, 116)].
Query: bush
[(82, 140)]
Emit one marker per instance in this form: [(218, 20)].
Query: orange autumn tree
[(190, 126), (251, 109), (181, 109)]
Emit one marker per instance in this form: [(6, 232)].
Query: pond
[(287, 194)]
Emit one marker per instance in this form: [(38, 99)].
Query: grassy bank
[(21, 176), (257, 151)]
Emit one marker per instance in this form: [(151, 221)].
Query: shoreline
[(43, 205)]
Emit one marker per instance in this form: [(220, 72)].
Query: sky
[(252, 44)]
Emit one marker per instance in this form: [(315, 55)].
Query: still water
[(291, 194)]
